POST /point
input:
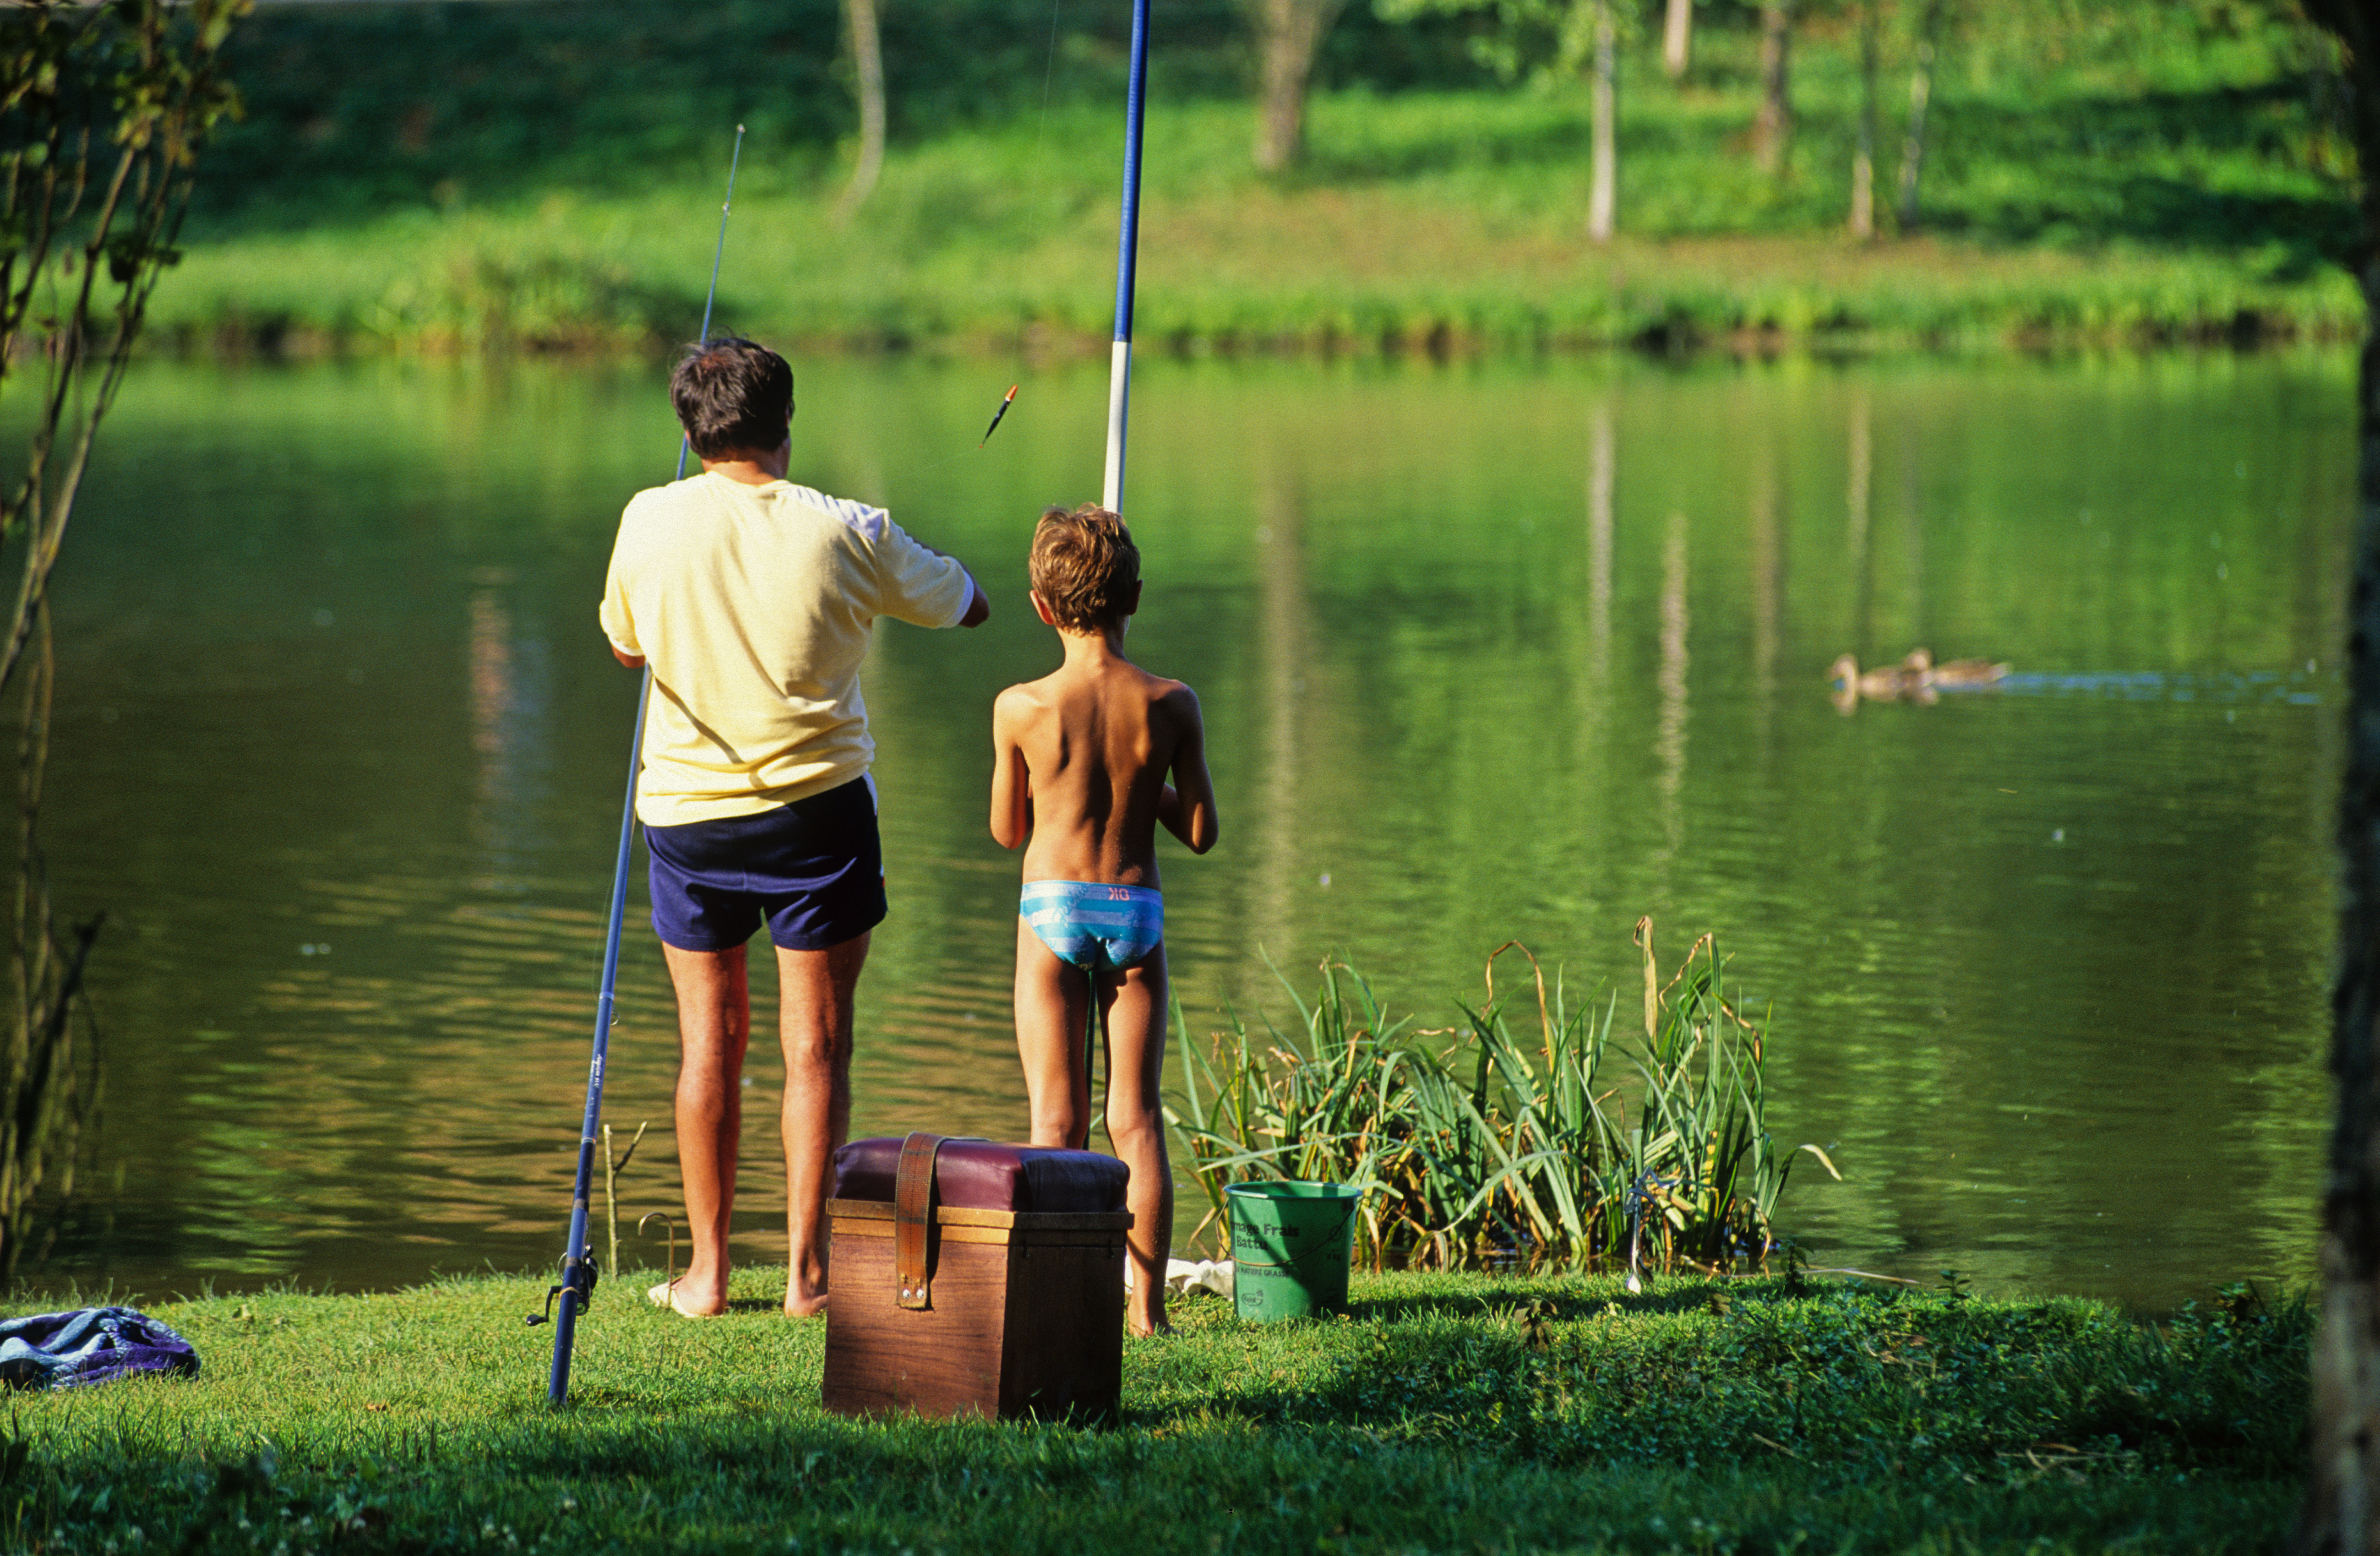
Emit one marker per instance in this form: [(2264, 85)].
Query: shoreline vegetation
[(2162, 185), (1507, 1142), (1443, 1411)]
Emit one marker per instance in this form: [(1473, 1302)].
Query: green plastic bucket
[(1290, 1247)]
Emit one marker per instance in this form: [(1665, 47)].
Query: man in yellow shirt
[(752, 599)]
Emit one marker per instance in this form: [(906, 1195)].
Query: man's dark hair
[(732, 395)]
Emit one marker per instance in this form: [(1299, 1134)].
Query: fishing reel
[(577, 1278)]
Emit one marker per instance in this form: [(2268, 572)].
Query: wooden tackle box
[(967, 1277)]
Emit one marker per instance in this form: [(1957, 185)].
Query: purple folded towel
[(88, 1345)]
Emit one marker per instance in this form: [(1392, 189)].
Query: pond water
[(1487, 652)]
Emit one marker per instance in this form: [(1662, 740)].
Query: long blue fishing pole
[(1127, 249), (577, 1284)]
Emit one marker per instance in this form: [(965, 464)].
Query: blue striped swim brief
[(1096, 928)]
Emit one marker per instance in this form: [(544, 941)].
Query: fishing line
[(1130, 228), (577, 1287), (1040, 163), (1032, 201)]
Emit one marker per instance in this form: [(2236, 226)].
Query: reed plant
[(1478, 1146)]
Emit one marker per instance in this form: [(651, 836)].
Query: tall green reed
[(1478, 1146)]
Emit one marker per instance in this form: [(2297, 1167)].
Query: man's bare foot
[(805, 1292), (670, 1295)]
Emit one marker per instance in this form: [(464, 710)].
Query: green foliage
[(354, 107), (2187, 188), (500, 296), (1540, 41), (1558, 1414), (1496, 1151)]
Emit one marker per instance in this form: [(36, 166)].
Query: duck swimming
[(1886, 683), (1960, 674), (1916, 679)]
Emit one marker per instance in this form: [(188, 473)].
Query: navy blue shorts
[(813, 870)]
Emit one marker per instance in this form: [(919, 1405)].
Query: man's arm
[(978, 608), (1186, 805), (634, 661), (1012, 780)]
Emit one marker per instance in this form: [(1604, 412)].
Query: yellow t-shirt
[(753, 605)]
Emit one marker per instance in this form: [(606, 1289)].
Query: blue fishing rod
[(1127, 249), (577, 1287)]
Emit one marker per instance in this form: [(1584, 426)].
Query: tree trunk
[(868, 57), (1289, 34), (1921, 93), (1773, 129), (1862, 220), (1603, 196), (1678, 37), (2341, 1513)]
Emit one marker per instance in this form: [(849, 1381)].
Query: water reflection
[(511, 687), (1601, 476), (2039, 959), (1281, 612)]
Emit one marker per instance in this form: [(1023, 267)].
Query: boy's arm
[(1012, 783), (1186, 805)]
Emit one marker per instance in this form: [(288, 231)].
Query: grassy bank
[(1445, 1412), (2196, 193)]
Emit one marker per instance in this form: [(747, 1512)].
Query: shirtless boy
[(1080, 760)]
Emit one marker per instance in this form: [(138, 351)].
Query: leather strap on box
[(913, 1214)]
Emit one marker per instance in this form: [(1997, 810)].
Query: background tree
[(103, 109), (2341, 1514), (1552, 43), (1678, 38), (1603, 151), (1289, 34), (1772, 126), (867, 67), (1863, 217), (1921, 96)]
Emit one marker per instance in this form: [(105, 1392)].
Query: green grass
[(1444, 1413), (2192, 190)]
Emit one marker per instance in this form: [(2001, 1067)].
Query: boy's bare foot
[(667, 1293), (1142, 1329)]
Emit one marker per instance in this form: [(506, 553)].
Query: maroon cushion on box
[(988, 1176)]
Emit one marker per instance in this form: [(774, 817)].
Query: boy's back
[(1097, 738)]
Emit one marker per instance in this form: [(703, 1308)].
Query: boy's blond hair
[(1084, 565)]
